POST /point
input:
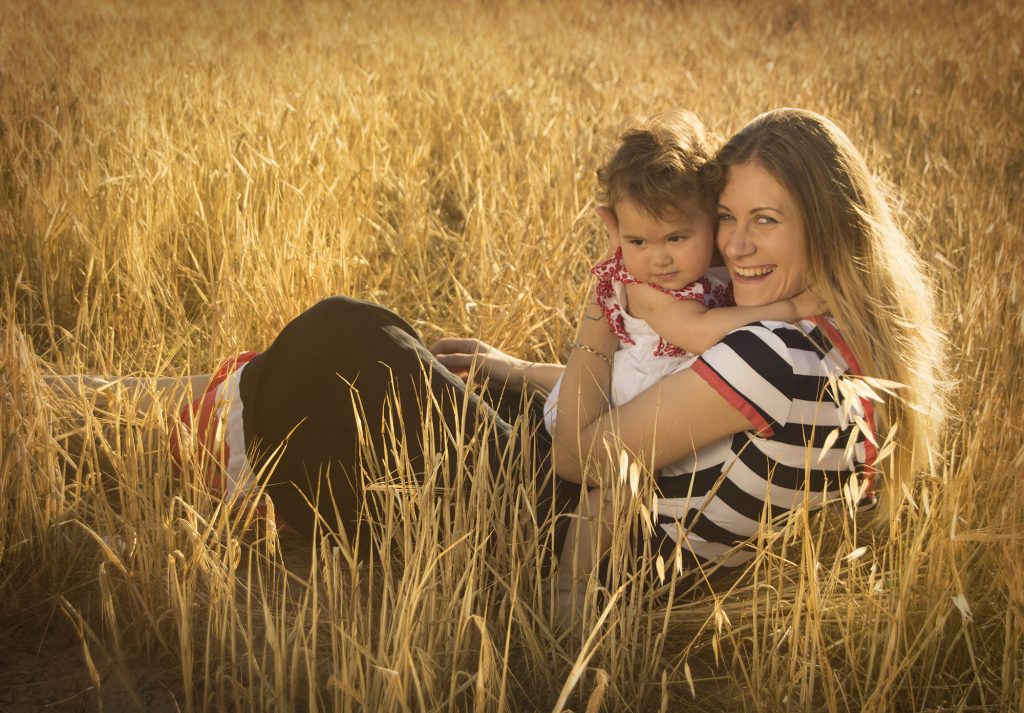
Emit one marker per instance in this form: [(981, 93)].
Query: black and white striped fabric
[(778, 375)]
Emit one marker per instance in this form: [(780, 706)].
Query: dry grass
[(177, 181)]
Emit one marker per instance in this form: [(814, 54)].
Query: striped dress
[(778, 375)]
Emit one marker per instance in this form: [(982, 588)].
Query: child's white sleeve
[(551, 407)]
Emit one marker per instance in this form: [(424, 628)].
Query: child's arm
[(692, 326)]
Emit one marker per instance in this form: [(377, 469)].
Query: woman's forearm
[(584, 393)]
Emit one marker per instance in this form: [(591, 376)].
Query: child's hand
[(808, 304), (611, 223)]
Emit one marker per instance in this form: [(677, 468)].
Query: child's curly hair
[(658, 165)]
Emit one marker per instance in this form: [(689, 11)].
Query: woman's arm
[(583, 396), (673, 419)]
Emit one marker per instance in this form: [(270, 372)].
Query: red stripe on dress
[(197, 417), (870, 450), (733, 397)]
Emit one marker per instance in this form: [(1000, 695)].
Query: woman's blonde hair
[(862, 265)]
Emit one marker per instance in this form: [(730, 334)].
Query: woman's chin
[(757, 293), (751, 295)]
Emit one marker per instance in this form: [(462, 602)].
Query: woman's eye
[(765, 220), (725, 217)]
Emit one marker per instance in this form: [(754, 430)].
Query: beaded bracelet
[(591, 350)]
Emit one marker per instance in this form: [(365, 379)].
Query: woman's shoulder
[(807, 346), (766, 367)]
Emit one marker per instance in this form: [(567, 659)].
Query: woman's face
[(761, 237)]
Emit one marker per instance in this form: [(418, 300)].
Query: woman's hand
[(808, 304)]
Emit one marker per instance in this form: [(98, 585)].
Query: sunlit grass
[(178, 182)]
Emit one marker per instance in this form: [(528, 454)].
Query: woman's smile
[(753, 273)]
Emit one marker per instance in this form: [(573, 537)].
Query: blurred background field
[(178, 180)]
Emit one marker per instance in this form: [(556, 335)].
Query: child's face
[(670, 254)]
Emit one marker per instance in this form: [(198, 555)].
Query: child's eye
[(677, 238), (635, 242)]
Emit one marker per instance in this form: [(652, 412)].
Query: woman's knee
[(351, 316)]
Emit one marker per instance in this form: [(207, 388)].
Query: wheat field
[(178, 180)]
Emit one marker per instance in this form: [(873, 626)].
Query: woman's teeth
[(752, 271)]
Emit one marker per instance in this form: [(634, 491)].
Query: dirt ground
[(43, 668), (43, 665)]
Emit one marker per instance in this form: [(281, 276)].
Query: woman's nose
[(736, 242)]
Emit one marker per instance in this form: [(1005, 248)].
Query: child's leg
[(589, 534), (588, 540)]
